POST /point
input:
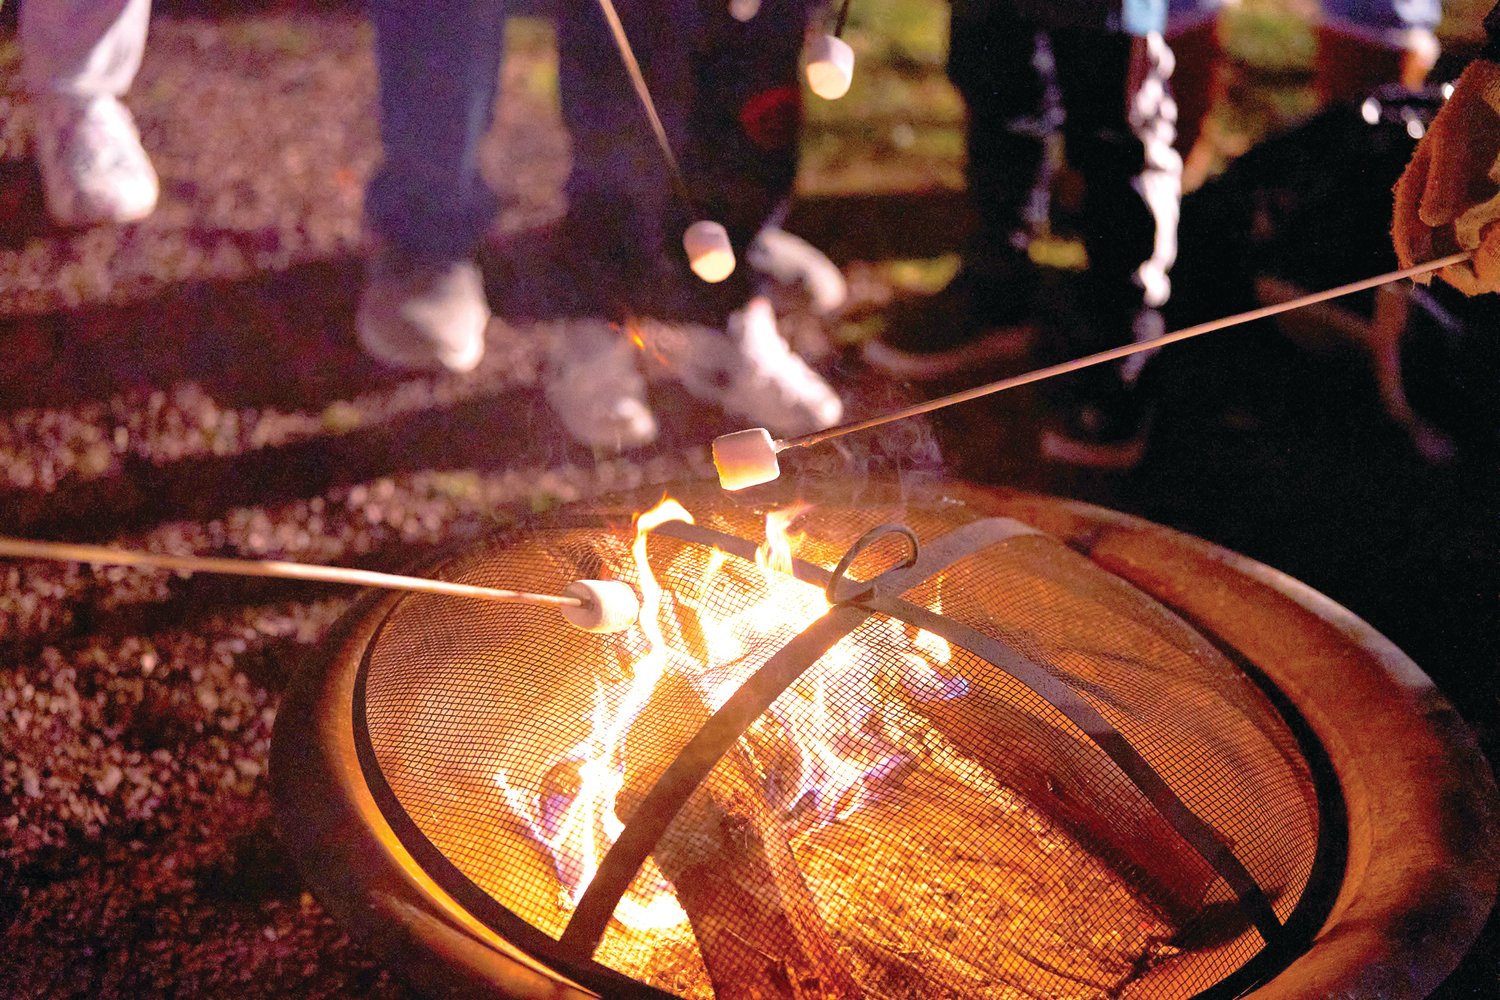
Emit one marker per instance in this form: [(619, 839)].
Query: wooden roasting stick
[(757, 925)]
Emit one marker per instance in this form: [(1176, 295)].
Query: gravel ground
[(191, 385)]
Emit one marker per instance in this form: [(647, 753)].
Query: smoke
[(897, 461)]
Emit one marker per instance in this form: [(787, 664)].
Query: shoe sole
[(1118, 457), (1006, 344), (76, 219), (423, 362)]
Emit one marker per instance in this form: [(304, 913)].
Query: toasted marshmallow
[(746, 458), (708, 251), (830, 67), (609, 605)]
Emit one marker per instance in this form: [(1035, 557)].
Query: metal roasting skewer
[(272, 568), (593, 605), (643, 93), (1116, 353), (748, 458)]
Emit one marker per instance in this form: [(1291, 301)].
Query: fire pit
[(1010, 748)]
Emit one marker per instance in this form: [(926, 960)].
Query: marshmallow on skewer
[(592, 605), (708, 251), (746, 458), (608, 605), (744, 10), (830, 67)]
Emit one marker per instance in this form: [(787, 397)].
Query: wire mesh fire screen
[(846, 752)]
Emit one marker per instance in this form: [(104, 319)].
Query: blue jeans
[(439, 62)]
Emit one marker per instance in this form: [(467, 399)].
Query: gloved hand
[(1449, 197)]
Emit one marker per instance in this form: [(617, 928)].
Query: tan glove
[(1449, 197)]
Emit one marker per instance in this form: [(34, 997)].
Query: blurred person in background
[(1097, 73), (1360, 45), (78, 58), (727, 95)]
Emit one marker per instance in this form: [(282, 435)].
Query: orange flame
[(836, 744)]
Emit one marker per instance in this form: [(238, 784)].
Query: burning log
[(1071, 781), (918, 882), (756, 923)]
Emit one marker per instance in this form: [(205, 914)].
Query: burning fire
[(827, 746)]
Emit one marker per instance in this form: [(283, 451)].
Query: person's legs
[(620, 190), (439, 61), (1118, 129), (77, 58), (746, 118), (744, 132), (704, 72), (1003, 75), (1363, 44)]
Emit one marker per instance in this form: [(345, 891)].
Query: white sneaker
[(595, 386), (790, 260), (749, 371), (422, 316), (91, 161)]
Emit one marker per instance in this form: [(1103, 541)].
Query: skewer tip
[(608, 605), (746, 458)]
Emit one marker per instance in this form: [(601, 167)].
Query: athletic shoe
[(93, 168), (1094, 436), (973, 322), (748, 370), (1103, 413), (595, 386), (790, 260), (421, 315)]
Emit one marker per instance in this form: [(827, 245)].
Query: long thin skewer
[(1116, 353), (275, 569), (643, 93), (843, 19)]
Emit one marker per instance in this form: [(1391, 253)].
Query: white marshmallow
[(830, 67), (708, 251), (744, 10), (746, 458), (609, 605)]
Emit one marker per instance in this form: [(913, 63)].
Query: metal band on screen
[(1199, 835)]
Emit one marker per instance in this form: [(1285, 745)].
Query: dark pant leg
[(1118, 131), (747, 114), (438, 62), (996, 65), (620, 189)]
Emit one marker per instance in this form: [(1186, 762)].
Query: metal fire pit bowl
[(1019, 748)]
